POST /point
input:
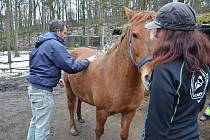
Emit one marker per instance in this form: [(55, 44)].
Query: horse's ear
[(129, 12)]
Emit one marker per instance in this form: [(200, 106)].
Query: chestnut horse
[(114, 82)]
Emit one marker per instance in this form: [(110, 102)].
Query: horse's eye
[(135, 35)]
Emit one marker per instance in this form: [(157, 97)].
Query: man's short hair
[(56, 24)]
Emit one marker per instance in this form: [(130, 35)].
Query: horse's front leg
[(101, 117), (125, 124)]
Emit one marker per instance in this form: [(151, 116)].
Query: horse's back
[(83, 52)]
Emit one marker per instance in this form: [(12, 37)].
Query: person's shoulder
[(172, 65), (170, 69), (53, 42)]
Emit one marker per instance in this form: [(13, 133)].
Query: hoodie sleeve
[(161, 104), (63, 60)]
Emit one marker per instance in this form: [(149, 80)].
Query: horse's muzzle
[(146, 82)]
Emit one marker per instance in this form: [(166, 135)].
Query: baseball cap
[(174, 16)]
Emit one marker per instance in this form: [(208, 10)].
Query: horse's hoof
[(74, 132), (80, 120)]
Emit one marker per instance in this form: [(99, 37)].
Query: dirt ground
[(15, 114)]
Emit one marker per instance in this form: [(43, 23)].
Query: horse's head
[(140, 42)]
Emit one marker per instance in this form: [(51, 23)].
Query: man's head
[(58, 26), (175, 16)]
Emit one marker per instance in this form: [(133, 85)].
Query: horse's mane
[(116, 44), (143, 16)]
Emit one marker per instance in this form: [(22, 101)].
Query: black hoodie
[(176, 98)]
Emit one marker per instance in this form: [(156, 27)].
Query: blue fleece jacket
[(48, 58)]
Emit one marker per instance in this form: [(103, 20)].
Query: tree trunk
[(63, 9), (29, 23), (58, 9), (34, 11), (83, 18), (181, 1), (1, 23), (97, 16), (42, 13), (114, 10), (70, 15), (197, 6), (143, 4), (66, 10), (16, 30), (8, 16), (52, 9), (78, 10), (20, 15)]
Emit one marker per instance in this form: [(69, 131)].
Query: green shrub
[(203, 18)]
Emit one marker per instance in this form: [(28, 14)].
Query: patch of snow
[(19, 69)]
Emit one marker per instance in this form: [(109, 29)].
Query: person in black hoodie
[(181, 76), (47, 59)]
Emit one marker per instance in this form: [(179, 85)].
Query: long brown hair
[(192, 46)]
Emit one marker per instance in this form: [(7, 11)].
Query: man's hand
[(91, 58), (61, 83)]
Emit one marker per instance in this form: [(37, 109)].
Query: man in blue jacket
[(47, 59)]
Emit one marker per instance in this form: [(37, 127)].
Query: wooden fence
[(16, 66)]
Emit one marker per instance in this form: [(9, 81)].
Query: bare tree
[(16, 29), (35, 4), (29, 23), (8, 17), (42, 14), (143, 4), (1, 20), (30, 14), (58, 9), (83, 17), (181, 1), (51, 5)]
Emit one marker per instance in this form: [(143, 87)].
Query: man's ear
[(129, 12), (58, 31)]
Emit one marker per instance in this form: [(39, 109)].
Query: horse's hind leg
[(79, 116), (71, 100), (125, 124), (101, 117), (71, 103)]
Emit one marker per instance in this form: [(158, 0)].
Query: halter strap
[(144, 60)]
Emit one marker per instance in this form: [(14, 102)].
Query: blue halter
[(143, 61)]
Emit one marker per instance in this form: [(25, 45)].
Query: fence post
[(10, 61)]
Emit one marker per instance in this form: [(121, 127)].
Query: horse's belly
[(81, 89), (117, 102)]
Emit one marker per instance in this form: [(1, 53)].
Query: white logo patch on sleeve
[(199, 82)]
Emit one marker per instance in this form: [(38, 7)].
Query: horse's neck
[(121, 65)]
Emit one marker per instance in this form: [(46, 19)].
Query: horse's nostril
[(146, 81), (147, 77)]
